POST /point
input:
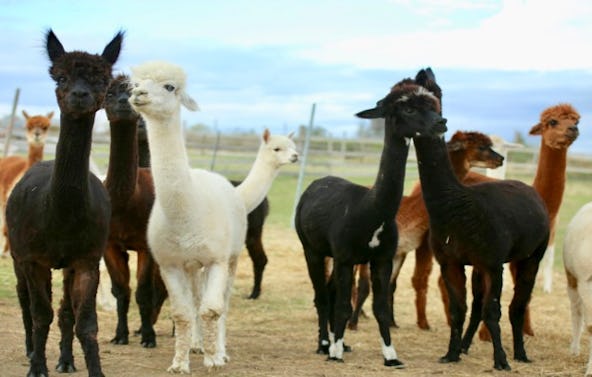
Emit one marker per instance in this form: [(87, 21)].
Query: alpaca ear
[(111, 51), (377, 112), (26, 115), (53, 46), (291, 135), (49, 115), (537, 129), (454, 146), (266, 135), (188, 102)]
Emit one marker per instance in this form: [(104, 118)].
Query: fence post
[(8, 135), (303, 161)]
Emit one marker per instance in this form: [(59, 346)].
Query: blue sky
[(254, 64)]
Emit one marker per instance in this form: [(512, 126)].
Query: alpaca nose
[(139, 92), (574, 130)]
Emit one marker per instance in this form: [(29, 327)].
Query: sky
[(253, 64)]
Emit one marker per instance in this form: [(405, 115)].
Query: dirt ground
[(276, 334)]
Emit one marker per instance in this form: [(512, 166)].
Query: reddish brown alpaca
[(12, 168), (558, 127), (466, 150)]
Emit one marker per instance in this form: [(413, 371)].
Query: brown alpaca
[(466, 150), (12, 168), (558, 127)]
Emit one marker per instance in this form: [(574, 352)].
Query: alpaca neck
[(438, 182), (460, 165), (550, 177), (170, 166), (122, 172), (35, 154), (388, 187), (143, 154), (258, 182), (69, 180)]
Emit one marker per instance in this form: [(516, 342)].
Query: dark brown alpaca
[(132, 194), (58, 215)]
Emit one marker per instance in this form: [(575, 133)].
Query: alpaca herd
[(188, 226)]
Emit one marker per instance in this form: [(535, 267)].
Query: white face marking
[(407, 141), (388, 352), (374, 242), (403, 99)]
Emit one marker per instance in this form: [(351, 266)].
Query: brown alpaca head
[(116, 102), (37, 127), (476, 148), (558, 126), (81, 78)]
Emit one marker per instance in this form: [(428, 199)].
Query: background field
[(276, 335)]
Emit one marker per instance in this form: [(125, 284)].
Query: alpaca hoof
[(394, 363), (346, 348), (335, 359), (120, 339), (528, 331), (323, 349), (148, 344), (179, 369), (352, 326), (502, 366), (423, 325), (522, 358), (449, 359), (254, 295), (65, 367), (214, 361)]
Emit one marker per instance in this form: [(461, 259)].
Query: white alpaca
[(577, 258), (198, 222)]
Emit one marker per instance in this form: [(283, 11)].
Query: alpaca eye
[(62, 80), (409, 110), (553, 123), (169, 87), (277, 149)]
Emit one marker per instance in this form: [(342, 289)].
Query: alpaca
[(354, 224), (483, 225), (199, 220), (578, 269), (12, 168), (132, 193), (466, 150), (58, 215), (558, 127)]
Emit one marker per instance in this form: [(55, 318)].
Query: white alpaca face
[(155, 98), (282, 148)]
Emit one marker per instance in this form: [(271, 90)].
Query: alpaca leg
[(221, 339), (105, 299), (577, 314), (363, 290), (445, 298), (66, 323), (259, 258), (178, 285), (84, 291), (116, 259), (476, 310), (144, 292), (211, 309), (526, 271), (455, 280), (38, 282), (398, 261), (317, 270), (342, 310), (196, 325), (421, 274), (159, 293), (585, 294), (25, 304), (492, 287), (549, 259)]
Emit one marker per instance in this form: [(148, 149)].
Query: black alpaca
[(484, 225), (58, 216), (353, 224), (131, 190)]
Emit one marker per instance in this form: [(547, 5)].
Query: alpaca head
[(558, 126), (81, 78), (158, 90), (412, 108), (279, 150), (477, 149), (37, 127), (116, 102)]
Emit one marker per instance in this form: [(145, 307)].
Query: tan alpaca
[(12, 168)]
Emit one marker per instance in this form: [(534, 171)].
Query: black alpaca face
[(81, 78), (411, 109), (116, 102)]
